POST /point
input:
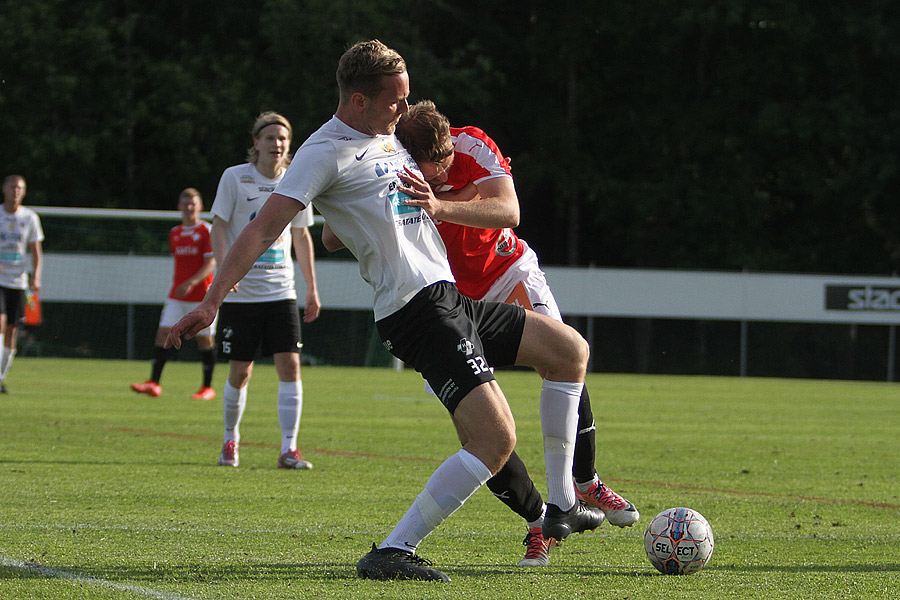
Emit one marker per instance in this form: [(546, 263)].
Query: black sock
[(209, 363), (160, 356), (516, 490), (585, 444)]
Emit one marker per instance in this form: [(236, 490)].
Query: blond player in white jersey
[(260, 312), (20, 234), (370, 191)]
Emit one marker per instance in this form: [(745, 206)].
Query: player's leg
[(237, 338), (4, 319), (514, 487), (9, 349), (526, 277), (433, 334), (207, 346), (486, 417), (560, 354), (172, 311), (281, 338), (15, 314)]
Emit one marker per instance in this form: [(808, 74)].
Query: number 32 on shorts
[(478, 364)]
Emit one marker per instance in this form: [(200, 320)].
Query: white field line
[(53, 573)]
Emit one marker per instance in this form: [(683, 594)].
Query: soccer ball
[(678, 541)]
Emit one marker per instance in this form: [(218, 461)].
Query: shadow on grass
[(314, 572), (197, 573)]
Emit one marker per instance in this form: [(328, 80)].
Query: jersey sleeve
[(172, 233), (36, 233), (485, 159), (206, 240), (226, 196), (312, 171), (304, 218)]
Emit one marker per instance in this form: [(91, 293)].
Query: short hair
[(262, 121), (362, 66), (425, 133), (11, 178), (190, 193)]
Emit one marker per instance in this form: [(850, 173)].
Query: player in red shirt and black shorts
[(472, 182), (194, 265)]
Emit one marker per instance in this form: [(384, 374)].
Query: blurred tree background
[(721, 134), (714, 134)]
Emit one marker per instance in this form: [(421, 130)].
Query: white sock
[(559, 424), (8, 355), (234, 401), (449, 486), (2, 355), (290, 405)]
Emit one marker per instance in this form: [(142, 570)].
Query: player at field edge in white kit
[(490, 262), (191, 249), (20, 233), (371, 193), (260, 312)]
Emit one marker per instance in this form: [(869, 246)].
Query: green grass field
[(107, 494)]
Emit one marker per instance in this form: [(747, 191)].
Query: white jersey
[(242, 192), (17, 232), (352, 177)]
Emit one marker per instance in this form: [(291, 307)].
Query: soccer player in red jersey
[(472, 182), (190, 245)]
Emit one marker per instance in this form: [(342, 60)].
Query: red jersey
[(478, 257), (190, 246)]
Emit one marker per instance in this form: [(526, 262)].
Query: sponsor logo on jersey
[(399, 206), (360, 156), (271, 256), (247, 179), (266, 188), (506, 243), (862, 297), (252, 199)]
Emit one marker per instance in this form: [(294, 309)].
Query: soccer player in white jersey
[(260, 312), (463, 164), (20, 233), (370, 191)]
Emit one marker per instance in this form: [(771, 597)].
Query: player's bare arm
[(255, 239), (37, 262), (495, 207), (303, 248)]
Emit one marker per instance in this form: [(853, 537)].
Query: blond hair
[(362, 66)]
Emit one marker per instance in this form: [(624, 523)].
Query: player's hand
[(184, 289), (195, 321), (311, 310), (419, 192)]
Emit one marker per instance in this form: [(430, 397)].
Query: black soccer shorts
[(12, 304), (453, 341), (244, 327)]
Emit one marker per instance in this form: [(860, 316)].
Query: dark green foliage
[(725, 135)]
